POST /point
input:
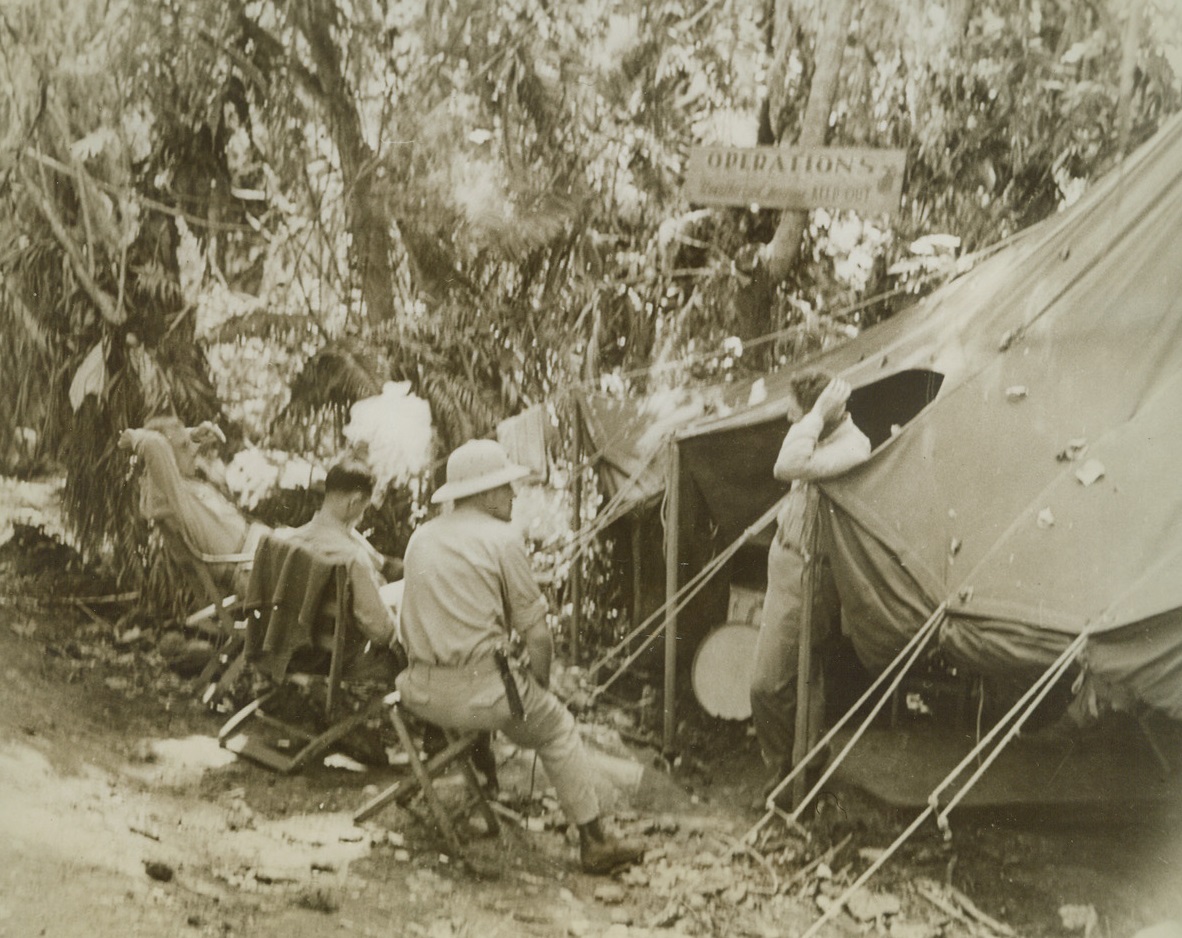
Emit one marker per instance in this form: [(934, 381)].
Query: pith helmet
[(477, 466)]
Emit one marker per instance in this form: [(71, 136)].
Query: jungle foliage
[(260, 211)]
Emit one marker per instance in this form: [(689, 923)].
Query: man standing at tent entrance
[(822, 444), (469, 586)]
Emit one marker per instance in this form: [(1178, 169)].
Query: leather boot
[(485, 763), (774, 776), (601, 855)]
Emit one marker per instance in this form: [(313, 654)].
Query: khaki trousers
[(777, 652), (472, 698)]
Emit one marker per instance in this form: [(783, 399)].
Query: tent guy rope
[(1019, 713), (677, 602), (911, 651)]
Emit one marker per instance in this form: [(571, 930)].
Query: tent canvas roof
[(627, 434), (1071, 333), (978, 501)]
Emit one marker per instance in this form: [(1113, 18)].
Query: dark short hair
[(349, 476), (807, 387)]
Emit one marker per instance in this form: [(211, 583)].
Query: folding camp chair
[(221, 610), (458, 752), (324, 602)]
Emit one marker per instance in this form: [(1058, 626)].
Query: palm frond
[(543, 222), (342, 372), (459, 410), (25, 367), (100, 504), (190, 394), (155, 282), (264, 324)]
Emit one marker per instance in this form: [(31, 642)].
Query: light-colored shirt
[(328, 537), (468, 583), (207, 520), (804, 457)]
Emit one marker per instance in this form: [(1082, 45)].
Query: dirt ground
[(120, 816)]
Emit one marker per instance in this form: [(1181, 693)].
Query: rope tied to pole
[(1019, 713), (676, 603), (911, 652)]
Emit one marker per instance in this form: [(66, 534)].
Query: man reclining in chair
[(468, 586), (174, 495)]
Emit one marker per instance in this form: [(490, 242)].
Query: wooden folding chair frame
[(423, 775), (226, 663), (313, 744)]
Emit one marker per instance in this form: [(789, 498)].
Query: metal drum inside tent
[(722, 670)]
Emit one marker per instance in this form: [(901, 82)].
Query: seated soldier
[(468, 586), (174, 495), (332, 533)]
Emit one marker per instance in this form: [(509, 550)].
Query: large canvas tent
[(990, 499), (1057, 358)]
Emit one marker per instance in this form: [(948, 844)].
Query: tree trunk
[(369, 223), (781, 253), (753, 299), (1128, 64), (74, 255)]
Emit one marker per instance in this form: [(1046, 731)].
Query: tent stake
[(1019, 712), (910, 652)]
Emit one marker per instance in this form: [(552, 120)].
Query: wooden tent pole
[(672, 567), (637, 581), (802, 743), (576, 569)]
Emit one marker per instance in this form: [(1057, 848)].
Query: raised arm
[(159, 463), (803, 455)]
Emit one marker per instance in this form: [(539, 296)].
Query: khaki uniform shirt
[(468, 582), (327, 537), (208, 521), (803, 458)]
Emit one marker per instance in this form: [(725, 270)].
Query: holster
[(511, 692)]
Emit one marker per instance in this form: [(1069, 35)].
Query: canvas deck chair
[(220, 610), (299, 632), (191, 513), (425, 772)]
